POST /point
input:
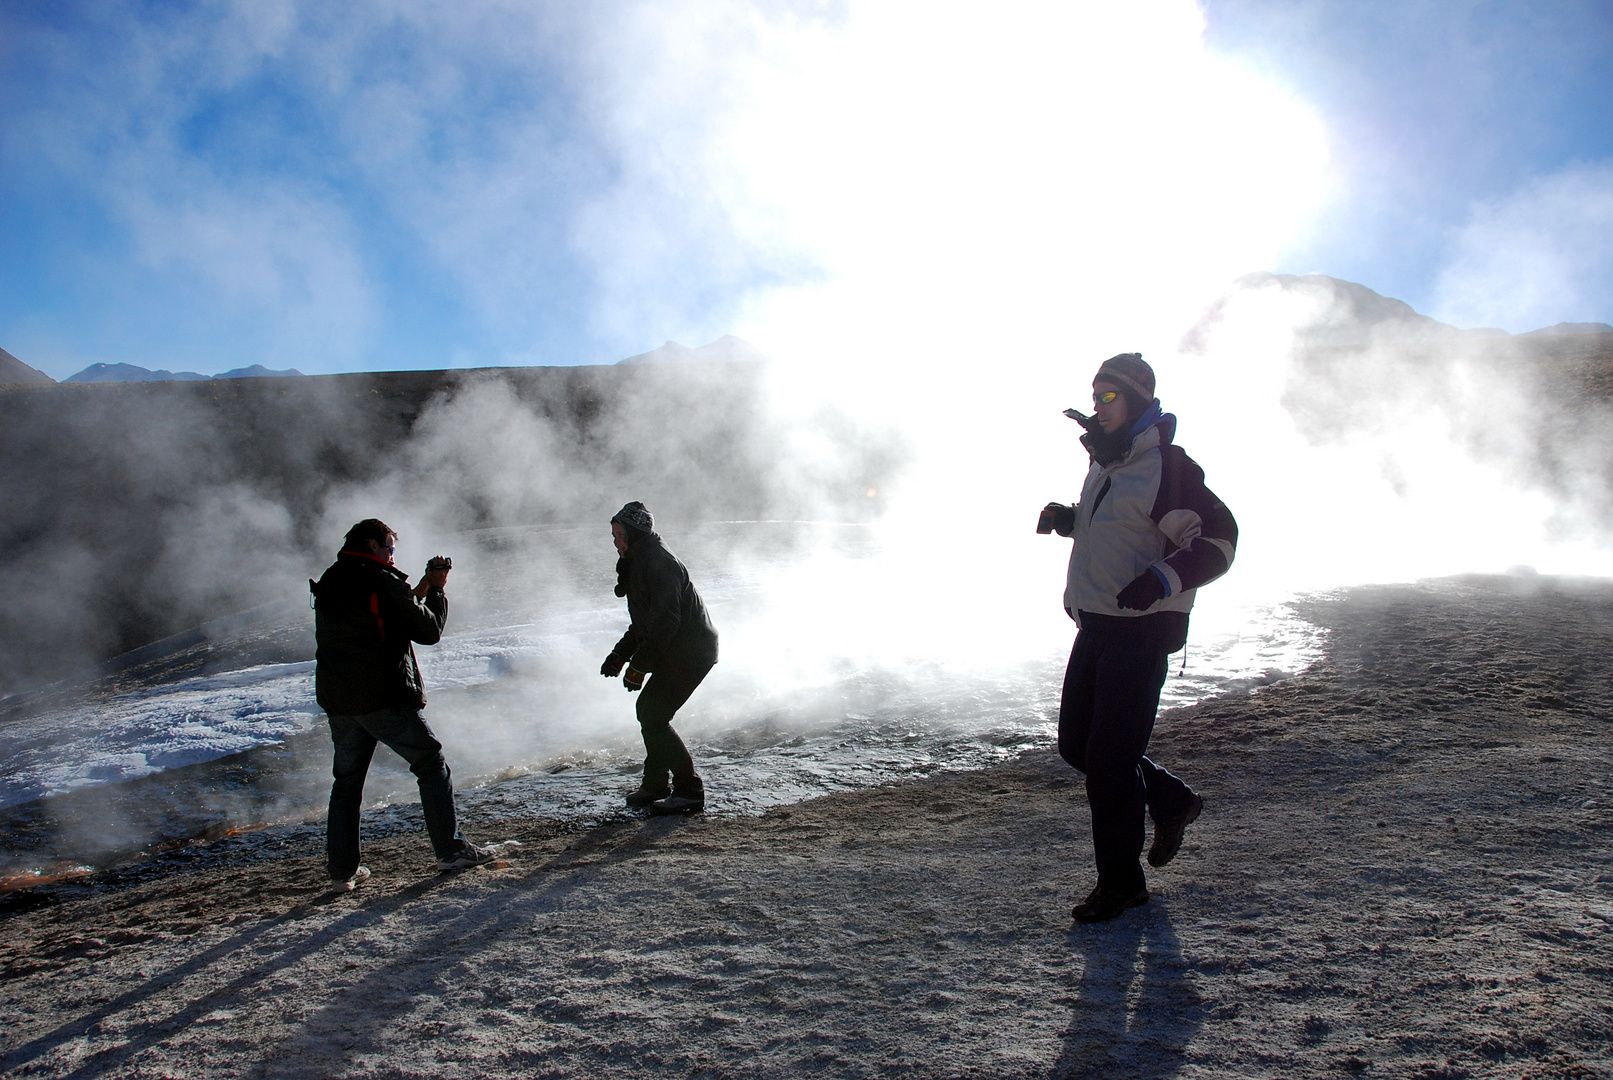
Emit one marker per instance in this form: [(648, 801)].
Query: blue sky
[(401, 186), (1447, 122)]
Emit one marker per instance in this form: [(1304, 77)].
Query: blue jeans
[(406, 732), (1106, 717)]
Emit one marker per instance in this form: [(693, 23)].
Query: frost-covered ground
[(1405, 868)]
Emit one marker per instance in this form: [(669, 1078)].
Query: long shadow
[(205, 959), (384, 1000), (141, 1037), (463, 936), (1135, 1008)]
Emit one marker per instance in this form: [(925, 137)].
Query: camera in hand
[(1056, 518), (439, 562), (1090, 423)]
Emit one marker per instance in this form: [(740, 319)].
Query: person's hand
[(612, 666), (633, 680), (436, 575), (1060, 517), (1143, 593)]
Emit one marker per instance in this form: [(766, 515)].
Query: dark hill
[(130, 511), (14, 372)]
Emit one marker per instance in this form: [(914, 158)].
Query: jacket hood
[(1155, 417), (636, 540)]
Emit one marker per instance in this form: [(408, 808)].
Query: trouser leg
[(354, 747), (406, 732), (1075, 704), (1125, 701), (1111, 696), (1167, 793), (663, 695)]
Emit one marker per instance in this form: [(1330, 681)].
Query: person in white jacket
[(1148, 534)]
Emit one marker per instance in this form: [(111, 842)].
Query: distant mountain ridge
[(103, 373), (1572, 328), (1362, 306), (727, 349)]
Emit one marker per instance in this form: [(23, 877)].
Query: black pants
[(663, 695), (406, 732), (1106, 717)]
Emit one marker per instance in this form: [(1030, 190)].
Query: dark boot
[(688, 797), (648, 791), (1168, 833), (1103, 904)]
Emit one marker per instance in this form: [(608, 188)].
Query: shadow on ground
[(1135, 1006)]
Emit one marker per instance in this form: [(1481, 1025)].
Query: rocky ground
[(1405, 868)]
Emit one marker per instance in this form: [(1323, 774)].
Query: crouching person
[(366, 618), (671, 641)]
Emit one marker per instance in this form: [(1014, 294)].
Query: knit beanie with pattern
[(635, 516), (1129, 372)]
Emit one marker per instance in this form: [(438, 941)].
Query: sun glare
[(1046, 174)]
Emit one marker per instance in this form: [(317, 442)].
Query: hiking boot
[(1168, 833), (692, 803), (470, 855), (644, 795), (348, 884), (1102, 904)]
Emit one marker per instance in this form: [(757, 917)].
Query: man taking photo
[(366, 619)]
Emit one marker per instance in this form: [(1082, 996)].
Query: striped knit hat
[(1131, 374), (635, 516)]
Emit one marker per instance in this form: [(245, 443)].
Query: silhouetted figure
[(1147, 534), (366, 618), (670, 640)]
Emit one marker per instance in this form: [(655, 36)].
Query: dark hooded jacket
[(365, 618), (669, 624)]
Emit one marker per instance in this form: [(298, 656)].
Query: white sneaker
[(362, 874)]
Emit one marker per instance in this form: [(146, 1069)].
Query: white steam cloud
[(1540, 256)]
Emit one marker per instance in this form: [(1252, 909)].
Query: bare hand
[(433, 578), (436, 575)]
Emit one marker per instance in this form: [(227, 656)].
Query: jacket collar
[(639, 539), (349, 554), (1152, 429)]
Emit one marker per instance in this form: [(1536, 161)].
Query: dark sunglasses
[(1105, 398)]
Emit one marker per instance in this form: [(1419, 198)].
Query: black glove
[(633, 680), (1143, 593), (1063, 518), (612, 666)]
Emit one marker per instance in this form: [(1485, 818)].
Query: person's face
[(1111, 414), (384, 551), (618, 535)]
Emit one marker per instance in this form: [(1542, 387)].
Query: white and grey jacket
[(1148, 511)]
